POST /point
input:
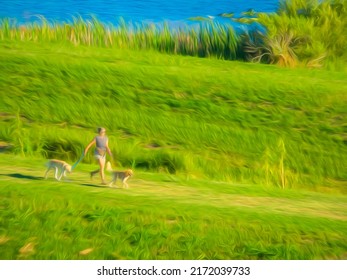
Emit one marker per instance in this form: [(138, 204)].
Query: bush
[(301, 32)]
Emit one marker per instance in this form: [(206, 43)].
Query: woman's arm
[(89, 145)]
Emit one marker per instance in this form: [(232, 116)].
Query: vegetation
[(232, 160), (224, 120), (159, 217), (209, 40), (302, 32)]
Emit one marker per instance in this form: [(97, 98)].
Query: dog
[(59, 166), (122, 175)]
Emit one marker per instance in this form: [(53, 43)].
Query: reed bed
[(304, 33), (207, 40)]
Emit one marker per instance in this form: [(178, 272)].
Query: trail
[(214, 195)]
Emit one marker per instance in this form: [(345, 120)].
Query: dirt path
[(188, 194)]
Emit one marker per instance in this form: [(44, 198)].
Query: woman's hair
[(101, 129)]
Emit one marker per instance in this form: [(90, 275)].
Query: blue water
[(109, 11)]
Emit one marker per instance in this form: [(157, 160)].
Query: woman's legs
[(93, 173), (102, 169)]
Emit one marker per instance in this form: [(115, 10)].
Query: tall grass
[(210, 39), (301, 32)]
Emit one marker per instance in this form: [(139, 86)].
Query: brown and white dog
[(59, 166), (121, 175)]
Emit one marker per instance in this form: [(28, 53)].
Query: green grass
[(223, 120), (232, 160), (161, 218), (209, 39)]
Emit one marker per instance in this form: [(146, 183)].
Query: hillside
[(232, 160), (193, 117)]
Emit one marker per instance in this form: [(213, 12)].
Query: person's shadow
[(22, 176), (94, 186), (30, 177)]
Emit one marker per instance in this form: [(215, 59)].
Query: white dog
[(122, 175), (59, 166)]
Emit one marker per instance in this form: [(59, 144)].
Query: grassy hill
[(224, 120)]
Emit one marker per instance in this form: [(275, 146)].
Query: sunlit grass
[(161, 218), (232, 160), (201, 118)]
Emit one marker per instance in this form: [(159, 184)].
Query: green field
[(224, 120), (232, 160), (162, 217)]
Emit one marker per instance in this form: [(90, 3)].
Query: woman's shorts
[(98, 157)]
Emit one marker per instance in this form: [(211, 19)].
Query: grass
[(233, 160), (223, 120), (210, 39), (162, 218)]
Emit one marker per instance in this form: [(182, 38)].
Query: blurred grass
[(226, 154), (223, 120), (161, 218)]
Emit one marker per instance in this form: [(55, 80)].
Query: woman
[(101, 143)]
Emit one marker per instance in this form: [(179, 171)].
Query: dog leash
[(77, 162)]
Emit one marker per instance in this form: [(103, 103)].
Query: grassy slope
[(162, 217), (229, 120)]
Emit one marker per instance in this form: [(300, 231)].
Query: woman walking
[(101, 143)]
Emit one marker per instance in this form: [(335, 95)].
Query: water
[(109, 11)]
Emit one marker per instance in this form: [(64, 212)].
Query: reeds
[(301, 32), (210, 39)]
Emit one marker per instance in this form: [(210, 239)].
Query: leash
[(77, 162)]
